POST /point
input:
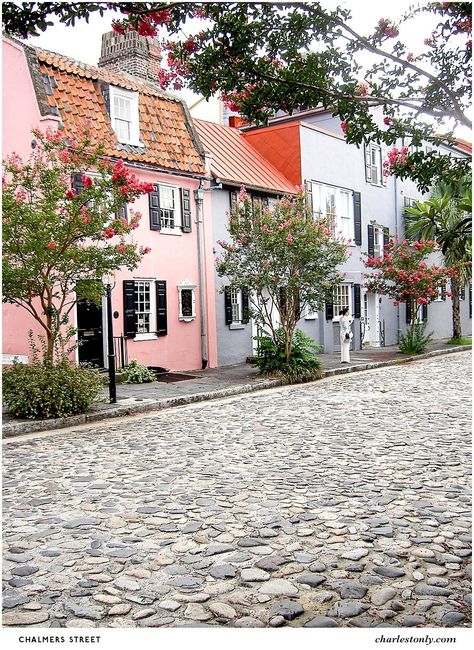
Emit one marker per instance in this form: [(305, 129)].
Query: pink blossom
[(52, 245), (363, 88), (387, 120), (289, 239), (87, 181), (344, 126)]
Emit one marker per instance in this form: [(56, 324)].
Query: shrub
[(135, 373), (302, 366), (414, 341), (42, 391)]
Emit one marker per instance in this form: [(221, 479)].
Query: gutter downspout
[(199, 198), (396, 237)]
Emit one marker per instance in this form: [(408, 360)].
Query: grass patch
[(462, 341)]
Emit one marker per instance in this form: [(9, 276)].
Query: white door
[(373, 319)]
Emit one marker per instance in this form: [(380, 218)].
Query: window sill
[(171, 231), (146, 337), (236, 326), (315, 317), (187, 319)]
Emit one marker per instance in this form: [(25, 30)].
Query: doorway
[(90, 333), (370, 320)]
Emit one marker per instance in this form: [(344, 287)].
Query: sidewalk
[(214, 383)]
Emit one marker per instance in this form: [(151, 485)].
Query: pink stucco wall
[(173, 258)]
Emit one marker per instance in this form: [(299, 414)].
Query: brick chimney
[(137, 55)]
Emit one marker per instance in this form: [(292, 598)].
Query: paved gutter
[(129, 407)]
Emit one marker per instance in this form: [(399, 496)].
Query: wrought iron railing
[(382, 333), (120, 351)]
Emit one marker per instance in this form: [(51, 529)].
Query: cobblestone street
[(345, 502)]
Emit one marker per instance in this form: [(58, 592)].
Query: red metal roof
[(281, 145), (234, 160)]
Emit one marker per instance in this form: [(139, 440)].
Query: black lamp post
[(110, 347)]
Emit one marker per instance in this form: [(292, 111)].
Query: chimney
[(137, 55), (235, 121)]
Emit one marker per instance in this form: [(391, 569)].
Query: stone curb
[(19, 428)]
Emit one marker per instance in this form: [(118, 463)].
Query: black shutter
[(408, 312), (154, 199), (443, 292), (424, 313), (371, 244), (161, 313), (329, 311), (462, 293), (228, 306), (77, 183), (122, 213), (309, 194), (233, 199), (357, 301), (186, 210), (129, 319), (357, 220), (245, 305), (386, 237), (470, 301)]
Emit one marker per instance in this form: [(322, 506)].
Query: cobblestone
[(342, 502)]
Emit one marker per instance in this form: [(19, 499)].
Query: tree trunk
[(455, 290)]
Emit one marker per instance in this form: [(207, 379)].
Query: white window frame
[(309, 314), (378, 242), (131, 97), (177, 216), (236, 304), (151, 334), (373, 161), (186, 285), (339, 304), (329, 202), (439, 297)]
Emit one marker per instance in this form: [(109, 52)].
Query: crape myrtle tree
[(286, 260), (403, 274), (263, 57), (445, 217), (62, 231)]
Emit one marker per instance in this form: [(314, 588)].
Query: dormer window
[(124, 115)]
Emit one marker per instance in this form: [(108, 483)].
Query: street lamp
[(109, 281)]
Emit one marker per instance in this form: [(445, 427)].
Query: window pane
[(167, 206), (187, 302), (235, 302), (143, 306)]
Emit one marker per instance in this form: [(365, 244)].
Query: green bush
[(302, 366), (135, 373), (40, 391), (415, 341)]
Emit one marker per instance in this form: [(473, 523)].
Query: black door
[(89, 326)]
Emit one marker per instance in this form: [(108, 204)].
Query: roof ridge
[(101, 74)]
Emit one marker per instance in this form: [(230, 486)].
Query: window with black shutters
[(144, 308), (170, 209), (236, 306)]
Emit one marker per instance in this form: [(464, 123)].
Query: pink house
[(164, 310)]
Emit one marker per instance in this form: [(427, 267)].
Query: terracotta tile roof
[(234, 160), (165, 129)]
